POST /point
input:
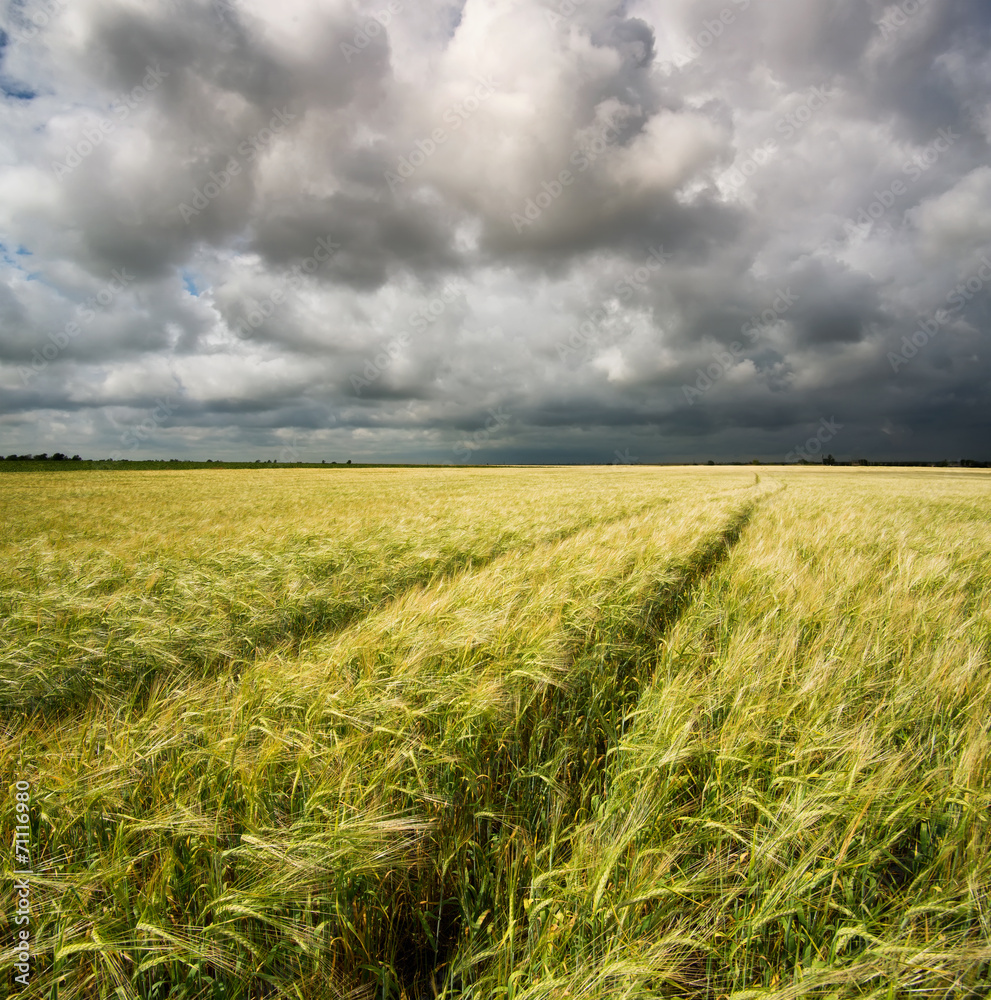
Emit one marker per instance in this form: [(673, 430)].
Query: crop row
[(116, 579)]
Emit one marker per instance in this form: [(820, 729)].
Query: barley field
[(499, 733)]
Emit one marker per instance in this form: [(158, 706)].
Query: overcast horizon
[(526, 231)]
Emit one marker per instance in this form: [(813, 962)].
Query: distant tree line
[(964, 463), (60, 457)]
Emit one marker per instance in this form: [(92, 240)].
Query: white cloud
[(488, 103)]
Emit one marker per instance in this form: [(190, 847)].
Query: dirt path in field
[(661, 612), (547, 785)]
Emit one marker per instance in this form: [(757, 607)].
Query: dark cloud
[(561, 231)]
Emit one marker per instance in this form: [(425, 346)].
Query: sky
[(496, 231)]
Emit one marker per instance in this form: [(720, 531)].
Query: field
[(515, 734)]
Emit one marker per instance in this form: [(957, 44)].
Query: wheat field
[(499, 733)]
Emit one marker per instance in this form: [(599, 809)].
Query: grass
[(506, 733)]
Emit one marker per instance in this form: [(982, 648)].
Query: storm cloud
[(481, 231)]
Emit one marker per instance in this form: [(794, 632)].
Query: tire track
[(66, 689), (545, 787)]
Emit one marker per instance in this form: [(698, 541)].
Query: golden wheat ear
[(513, 733)]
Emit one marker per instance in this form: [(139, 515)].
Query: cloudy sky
[(496, 230)]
